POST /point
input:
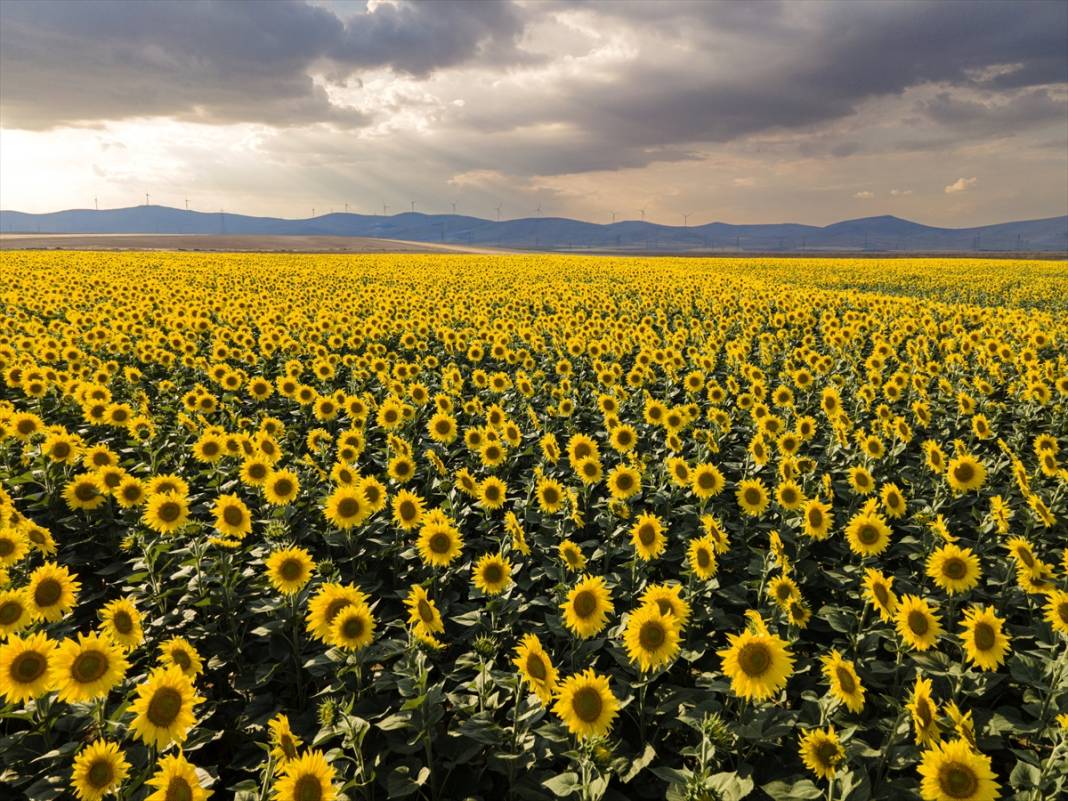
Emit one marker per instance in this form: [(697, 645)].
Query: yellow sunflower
[(624, 482), (439, 541), (289, 569), (180, 653), (285, 745), (15, 612), (408, 509), (492, 574), (668, 599), (867, 534), (965, 473), (844, 681), (588, 605), (121, 621), (706, 481), (821, 752), (879, 593), (492, 493), (586, 705), (166, 512), (99, 769), (13, 546), (572, 556), (1057, 610), (281, 487), (701, 557), (789, 495), (984, 642), (758, 663), (651, 637), (536, 668), (423, 615), (924, 712), (647, 536), (86, 668), (327, 603), (24, 667), (175, 779), (817, 519), (550, 495), (52, 592), (954, 771), (752, 497), (309, 777), (916, 623), (953, 568), (163, 708), (347, 507), (353, 628), (86, 492), (232, 517)]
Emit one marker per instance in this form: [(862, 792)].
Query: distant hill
[(884, 233)]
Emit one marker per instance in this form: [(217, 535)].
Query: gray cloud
[(65, 62)]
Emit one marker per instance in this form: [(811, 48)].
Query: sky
[(950, 113)]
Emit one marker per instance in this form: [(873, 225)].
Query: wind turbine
[(643, 214), (96, 203), (146, 198), (385, 208), (498, 214), (413, 207), (613, 217), (187, 204), (346, 208), (538, 210), (686, 220), (453, 208)]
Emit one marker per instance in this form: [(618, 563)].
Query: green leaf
[(563, 785)]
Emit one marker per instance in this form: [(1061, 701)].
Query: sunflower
[(536, 668), (789, 495), (651, 637), (86, 492), (167, 483), (589, 470), (867, 534), (893, 501), (550, 494), (844, 681), (121, 621), (782, 590), (924, 712), (587, 607), (15, 612), (706, 481), (52, 592), (701, 557), (492, 574), (965, 473), (408, 509), (423, 615), (984, 642), (281, 487), (492, 493), (174, 779), (163, 708), (24, 667), (166, 512), (86, 668), (99, 769), (1057, 611), (647, 536), (181, 653), (572, 555), (442, 428), (327, 603), (289, 569), (752, 496), (861, 480), (624, 482), (13, 546), (353, 628), (623, 438), (821, 752), (375, 493), (232, 517), (130, 493), (308, 777), (285, 744), (818, 519), (758, 663), (346, 507), (439, 542), (954, 771), (586, 705), (879, 592), (916, 623), (668, 599), (255, 471), (953, 568)]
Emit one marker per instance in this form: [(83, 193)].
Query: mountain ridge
[(881, 233)]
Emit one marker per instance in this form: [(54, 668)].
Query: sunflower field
[(303, 528)]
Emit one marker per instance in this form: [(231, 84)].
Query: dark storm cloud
[(63, 62)]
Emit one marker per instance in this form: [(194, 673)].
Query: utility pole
[(146, 198), (346, 208), (96, 204), (613, 217), (413, 207), (385, 208), (686, 220), (187, 204), (453, 208), (498, 214)]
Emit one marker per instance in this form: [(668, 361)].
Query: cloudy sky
[(951, 113)]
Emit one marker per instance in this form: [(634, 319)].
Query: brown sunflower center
[(1062, 611), (918, 622), (406, 510), (233, 516), (584, 603), (10, 612), (426, 612), (881, 593), (964, 472), (587, 704), (348, 507), (28, 667), (550, 496), (122, 622), (815, 517), (868, 534), (492, 573), (754, 659), (100, 773), (85, 492), (704, 558), (827, 753), (706, 481), (164, 707), (845, 680), (7, 546), (984, 636), (257, 471), (181, 658), (89, 666), (48, 593), (283, 487), (647, 534), (169, 511), (752, 496), (624, 481), (178, 789), (536, 667), (291, 569), (958, 780), (954, 568), (353, 627), (440, 542), (651, 635), (307, 788)]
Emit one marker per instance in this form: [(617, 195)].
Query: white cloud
[(960, 185), (744, 182), (865, 195), (900, 192)]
